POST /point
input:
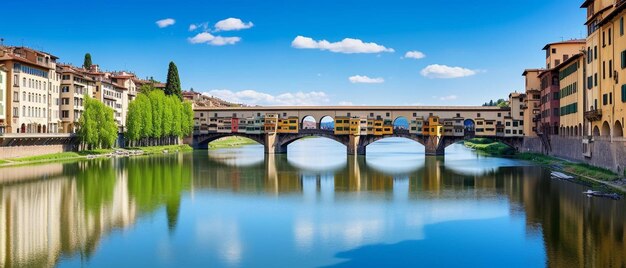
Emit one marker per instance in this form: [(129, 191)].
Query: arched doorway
[(606, 129), (327, 123), (308, 122), (23, 128), (575, 130), (596, 131), (618, 131)]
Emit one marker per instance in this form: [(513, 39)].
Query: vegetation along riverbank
[(585, 173)]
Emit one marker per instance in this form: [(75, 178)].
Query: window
[(478, 115), (603, 39), (610, 97), (589, 82), (554, 51), (610, 68), (621, 26), (605, 99), (595, 79), (589, 56), (16, 81), (609, 36), (624, 59), (604, 70), (595, 52), (24, 81), (624, 93), (16, 112), (65, 114), (499, 115)]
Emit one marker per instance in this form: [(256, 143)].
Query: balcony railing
[(593, 115)]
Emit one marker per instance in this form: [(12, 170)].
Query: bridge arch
[(202, 141)]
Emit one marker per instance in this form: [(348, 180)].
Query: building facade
[(30, 79), (605, 67)]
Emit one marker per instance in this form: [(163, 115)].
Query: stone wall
[(605, 152), (24, 151)]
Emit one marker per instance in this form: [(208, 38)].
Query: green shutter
[(624, 59), (624, 93)]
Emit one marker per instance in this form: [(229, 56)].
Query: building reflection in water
[(76, 205)]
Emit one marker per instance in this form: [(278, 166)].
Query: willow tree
[(97, 125)]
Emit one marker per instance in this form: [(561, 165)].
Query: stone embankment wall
[(606, 152), (32, 150)]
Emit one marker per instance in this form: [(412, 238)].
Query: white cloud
[(444, 71), (165, 22), (414, 55), (252, 97), (347, 45), (346, 103), (208, 38), (366, 80), (232, 24), (203, 26), (448, 98)]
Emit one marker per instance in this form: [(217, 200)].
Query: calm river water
[(314, 207)]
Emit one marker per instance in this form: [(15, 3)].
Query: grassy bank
[(579, 169), (589, 174), (230, 142), (90, 153), (162, 149), (489, 146)]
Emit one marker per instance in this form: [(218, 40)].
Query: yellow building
[(288, 125), (342, 125), (378, 127), (571, 96), (432, 127), (605, 67)]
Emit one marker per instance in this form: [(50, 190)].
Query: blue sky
[(490, 41)]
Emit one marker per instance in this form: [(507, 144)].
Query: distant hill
[(202, 100)]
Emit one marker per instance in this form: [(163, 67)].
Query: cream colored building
[(3, 97), (532, 100), (31, 78), (75, 84)]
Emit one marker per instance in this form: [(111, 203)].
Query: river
[(314, 207)]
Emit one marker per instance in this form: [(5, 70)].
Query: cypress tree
[(87, 63), (172, 86)]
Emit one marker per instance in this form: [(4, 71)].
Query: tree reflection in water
[(68, 213)]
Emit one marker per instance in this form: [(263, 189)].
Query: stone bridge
[(356, 145)]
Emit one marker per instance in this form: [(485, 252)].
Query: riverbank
[(489, 147), (587, 174), (90, 154), (230, 142)]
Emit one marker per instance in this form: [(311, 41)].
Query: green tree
[(97, 125), (134, 121), (87, 63), (168, 116), (187, 119), (172, 85), (156, 100)]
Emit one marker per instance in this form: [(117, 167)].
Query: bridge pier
[(273, 145), (355, 146), (434, 146)]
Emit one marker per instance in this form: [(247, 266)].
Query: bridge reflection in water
[(68, 214)]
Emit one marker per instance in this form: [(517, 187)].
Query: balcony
[(593, 115)]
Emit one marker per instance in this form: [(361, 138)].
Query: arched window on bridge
[(309, 122), (327, 123)]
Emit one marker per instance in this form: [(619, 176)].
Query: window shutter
[(624, 93)]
